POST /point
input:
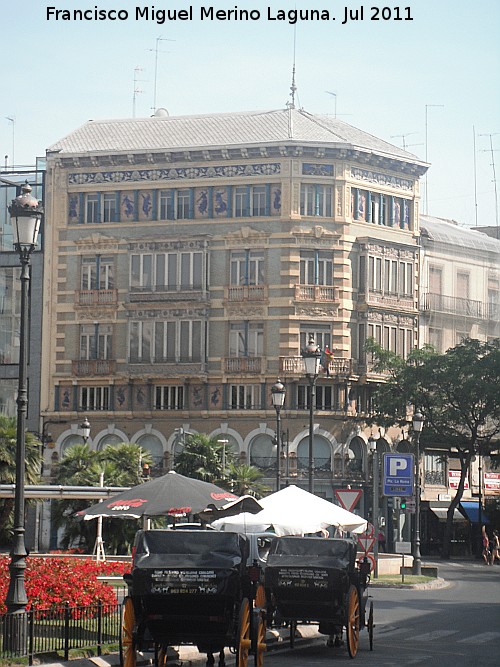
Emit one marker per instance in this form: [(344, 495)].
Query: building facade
[(191, 259)]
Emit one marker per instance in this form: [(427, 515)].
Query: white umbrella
[(293, 511)]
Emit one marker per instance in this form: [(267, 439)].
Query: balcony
[(243, 364), (378, 298), (316, 293), (87, 367), (239, 293), (96, 297), (455, 305), (295, 366)]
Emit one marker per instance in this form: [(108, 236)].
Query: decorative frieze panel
[(190, 244), (180, 313), (381, 179), (316, 312), (174, 174), (312, 169)]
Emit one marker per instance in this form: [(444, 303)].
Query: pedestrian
[(486, 545), (381, 541), (494, 547)]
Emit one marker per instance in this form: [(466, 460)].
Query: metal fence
[(61, 629)]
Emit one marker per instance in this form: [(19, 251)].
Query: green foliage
[(457, 393), (121, 465), (245, 479), (201, 458), (33, 459)]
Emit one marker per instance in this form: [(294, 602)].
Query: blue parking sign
[(398, 474)]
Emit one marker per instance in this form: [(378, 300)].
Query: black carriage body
[(187, 587), (309, 578)]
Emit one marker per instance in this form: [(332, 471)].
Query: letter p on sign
[(396, 466)]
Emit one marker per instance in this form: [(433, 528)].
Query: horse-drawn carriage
[(309, 579), (193, 587)]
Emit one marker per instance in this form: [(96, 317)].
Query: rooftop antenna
[(136, 89), (334, 95), (12, 120), (494, 180), (403, 139), (427, 107), (475, 172), (156, 51), (293, 87)]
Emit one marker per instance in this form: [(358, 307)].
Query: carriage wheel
[(244, 640), (352, 624), (370, 625), (128, 656), (260, 630)]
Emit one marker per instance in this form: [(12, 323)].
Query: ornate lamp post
[(311, 355), (418, 425), (278, 397), (372, 443), (26, 213), (85, 430)]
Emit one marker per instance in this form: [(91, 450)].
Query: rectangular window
[(10, 302), (94, 398), (316, 200), (97, 273), (406, 278), (166, 205), (183, 204), (246, 339), (436, 339), (244, 396), (141, 272), (140, 342), (92, 213), (177, 341), (316, 268), (435, 469), (96, 341), (169, 397), (240, 205), (322, 337), (109, 207), (247, 268), (259, 200)]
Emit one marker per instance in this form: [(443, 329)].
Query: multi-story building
[(191, 259), (459, 298), (10, 297)]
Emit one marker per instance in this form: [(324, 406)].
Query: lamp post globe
[(85, 430), (311, 355), (26, 214), (278, 393), (418, 425)]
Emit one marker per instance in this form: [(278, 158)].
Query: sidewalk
[(190, 656)]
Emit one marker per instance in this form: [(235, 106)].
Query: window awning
[(441, 513), (471, 509)]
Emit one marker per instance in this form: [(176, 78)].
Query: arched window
[(70, 441), (152, 444), (322, 454), (109, 439), (263, 452)]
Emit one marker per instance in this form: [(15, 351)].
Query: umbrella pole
[(99, 553)]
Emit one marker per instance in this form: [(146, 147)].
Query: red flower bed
[(54, 581)]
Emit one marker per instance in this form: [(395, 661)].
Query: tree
[(121, 465), (458, 395), (245, 479), (33, 458), (201, 458)]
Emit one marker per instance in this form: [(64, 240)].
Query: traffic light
[(402, 504)]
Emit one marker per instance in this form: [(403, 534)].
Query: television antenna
[(156, 51)]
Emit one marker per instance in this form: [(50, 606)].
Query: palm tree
[(33, 459), (201, 458), (120, 465), (244, 480)]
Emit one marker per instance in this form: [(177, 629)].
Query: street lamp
[(85, 430), (418, 425), (311, 355), (372, 443), (278, 397), (26, 213), (223, 442)]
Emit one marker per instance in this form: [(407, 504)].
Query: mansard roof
[(280, 128), (449, 233)]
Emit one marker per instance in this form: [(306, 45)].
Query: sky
[(432, 82)]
